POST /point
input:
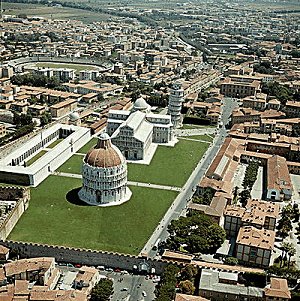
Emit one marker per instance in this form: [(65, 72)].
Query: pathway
[(132, 183)]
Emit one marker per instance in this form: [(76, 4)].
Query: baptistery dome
[(104, 154), (104, 175)]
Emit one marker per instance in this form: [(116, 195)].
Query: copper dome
[(104, 154)]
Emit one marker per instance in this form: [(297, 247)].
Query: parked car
[(144, 294), (124, 289), (101, 267)]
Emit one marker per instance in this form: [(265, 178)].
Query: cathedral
[(133, 132)]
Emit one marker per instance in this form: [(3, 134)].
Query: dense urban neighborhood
[(149, 150)]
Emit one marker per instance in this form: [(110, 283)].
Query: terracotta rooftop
[(260, 238), (278, 289), (104, 154)]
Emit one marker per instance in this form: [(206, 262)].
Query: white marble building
[(104, 175), (134, 132), (176, 99)]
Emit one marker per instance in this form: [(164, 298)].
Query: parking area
[(127, 286)]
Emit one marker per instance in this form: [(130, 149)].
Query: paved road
[(178, 206)]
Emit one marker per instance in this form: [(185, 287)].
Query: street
[(187, 191)]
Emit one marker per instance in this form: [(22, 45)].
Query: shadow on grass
[(73, 198)]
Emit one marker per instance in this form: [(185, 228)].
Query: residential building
[(254, 246), (238, 88), (279, 186), (224, 286), (257, 213)]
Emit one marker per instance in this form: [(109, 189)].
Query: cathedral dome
[(104, 154), (141, 104)]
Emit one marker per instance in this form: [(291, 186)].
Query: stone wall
[(21, 196), (84, 256)]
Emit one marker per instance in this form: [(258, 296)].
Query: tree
[(165, 290), (189, 272), (231, 261), (102, 290), (197, 232), (187, 287), (244, 196)]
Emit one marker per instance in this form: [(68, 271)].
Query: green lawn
[(53, 144), (73, 165), (36, 157), (55, 12), (77, 67), (88, 146), (170, 165), (199, 137), (52, 219), (195, 126)]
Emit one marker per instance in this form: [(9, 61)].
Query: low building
[(277, 290), (257, 213), (279, 186), (254, 246), (4, 253), (292, 108), (224, 286), (63, 108), (184, 297), (214, 210), (86, 279), (238, 88)]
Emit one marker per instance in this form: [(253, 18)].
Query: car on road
[(109, 270)]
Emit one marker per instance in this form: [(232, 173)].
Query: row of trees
[(36, 80), (289, 213), (165, 290), (248, 182), (196, 233)]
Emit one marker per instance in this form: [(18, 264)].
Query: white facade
[(134, 132), (176, 99), (104, 175)]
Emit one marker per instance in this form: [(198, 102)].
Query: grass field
[(199, 137), (53, 144), (52, 219), (73, 165), (88, 146), (54, 12), (36, 157), (77, 67), (169, 166), (194, 126)]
